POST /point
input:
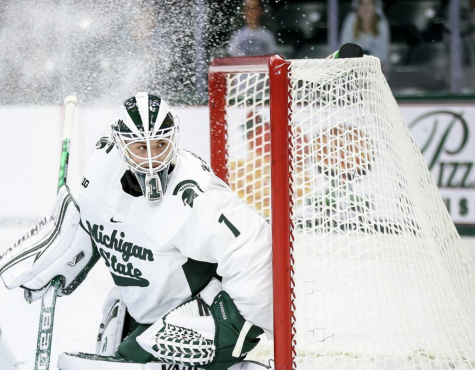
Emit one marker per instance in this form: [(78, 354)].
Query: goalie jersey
[(160, 254)]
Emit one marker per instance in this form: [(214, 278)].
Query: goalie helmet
[(146, 133)]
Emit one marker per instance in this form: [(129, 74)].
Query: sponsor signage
[(445, 133)]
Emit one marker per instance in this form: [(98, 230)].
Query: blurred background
[(106, 51)]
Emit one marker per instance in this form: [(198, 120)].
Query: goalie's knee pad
[(112, 324), (57, 246)]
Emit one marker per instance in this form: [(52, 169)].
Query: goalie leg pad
[(88, 361), (209, 337), (112, 324)]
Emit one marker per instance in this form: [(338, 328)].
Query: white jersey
[(160, 254)]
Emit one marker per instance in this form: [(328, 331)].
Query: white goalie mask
[(146, 133)]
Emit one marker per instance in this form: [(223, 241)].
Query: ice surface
[(7, 360)]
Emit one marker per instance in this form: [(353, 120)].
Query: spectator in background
[(367, 26), (467, 32), (252, 38)]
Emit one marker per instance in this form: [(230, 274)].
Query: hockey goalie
[(191, 263)]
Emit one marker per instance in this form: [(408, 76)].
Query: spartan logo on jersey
[(189, 189)]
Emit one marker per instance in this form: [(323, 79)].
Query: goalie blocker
[(57, 246)]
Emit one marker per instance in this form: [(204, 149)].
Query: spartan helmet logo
[(190, 191), (188, 196)]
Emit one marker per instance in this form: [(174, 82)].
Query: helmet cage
[(159, 149)]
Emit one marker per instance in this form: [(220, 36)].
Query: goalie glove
[(55, 247), (208, 337)]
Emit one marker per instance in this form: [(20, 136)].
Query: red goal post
[(281, 235)]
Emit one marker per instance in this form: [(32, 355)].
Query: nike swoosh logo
[(114, 221)]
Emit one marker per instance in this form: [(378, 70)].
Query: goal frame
[(281, 147), (369, 270)]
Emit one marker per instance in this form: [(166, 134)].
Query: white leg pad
[(112, 324), (79, 361), (85, 361)]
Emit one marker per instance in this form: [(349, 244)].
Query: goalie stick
[(48, 302)]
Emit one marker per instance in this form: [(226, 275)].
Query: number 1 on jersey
[(228, 223)]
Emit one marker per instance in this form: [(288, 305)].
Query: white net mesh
[(247, 111), (382, 279)]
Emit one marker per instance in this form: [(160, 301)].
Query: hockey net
[(369, 271)]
